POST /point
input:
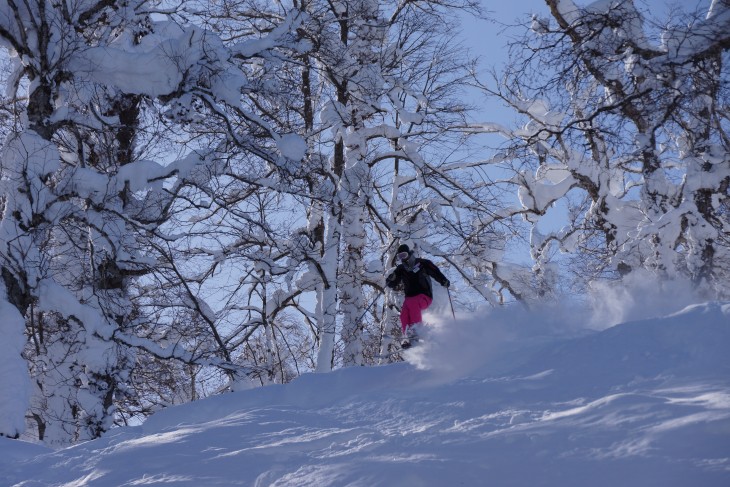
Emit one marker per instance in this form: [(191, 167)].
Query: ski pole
[(366, 311), (451, 303)]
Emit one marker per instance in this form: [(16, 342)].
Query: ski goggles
[(401, 256)]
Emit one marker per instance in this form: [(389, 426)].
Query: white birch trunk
[(328, 297), (351, 288)]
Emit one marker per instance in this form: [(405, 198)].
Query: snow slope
[(499, 400)]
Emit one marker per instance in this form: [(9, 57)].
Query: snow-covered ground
[(501, 399)]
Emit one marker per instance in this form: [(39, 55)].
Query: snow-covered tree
[(626, 126), (86, 225), (51, 220)]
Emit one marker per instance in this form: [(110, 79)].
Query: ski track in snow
[(644, 403)]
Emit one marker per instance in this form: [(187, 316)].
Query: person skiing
[(414, 273)]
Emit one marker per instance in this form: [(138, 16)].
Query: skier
[(415, 275)]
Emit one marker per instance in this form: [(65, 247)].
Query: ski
[(399, 349)]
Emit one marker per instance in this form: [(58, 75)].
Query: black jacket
[(414, 274)]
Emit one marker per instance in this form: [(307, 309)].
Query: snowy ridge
[(520, 403)]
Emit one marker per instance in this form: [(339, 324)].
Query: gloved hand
[(446, 283), (390, 280)]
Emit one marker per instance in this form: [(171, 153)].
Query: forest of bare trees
[(201, 196)]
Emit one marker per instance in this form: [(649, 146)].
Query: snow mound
[(694, 342)]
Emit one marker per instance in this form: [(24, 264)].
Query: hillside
[(498, 400)]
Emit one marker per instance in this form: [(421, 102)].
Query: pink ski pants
[(410, 313)]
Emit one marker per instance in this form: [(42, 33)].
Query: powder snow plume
[(487, 339)]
